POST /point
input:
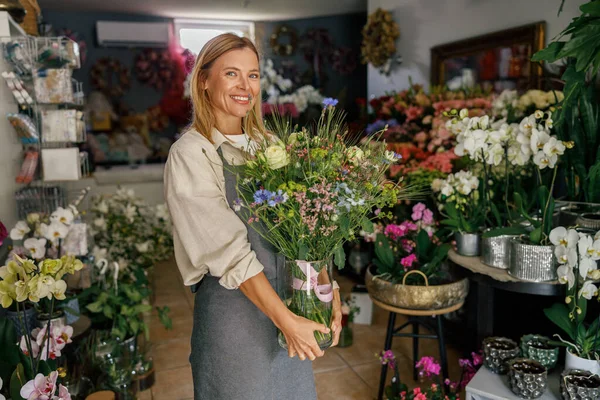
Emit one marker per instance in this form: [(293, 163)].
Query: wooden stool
[(415, 320)]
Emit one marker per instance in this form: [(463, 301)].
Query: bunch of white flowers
[(129, 231), (302, 98), (540, 99), (506, 100), (273, 84), (39, 231), (462, 183), (23, 279), (492, 142), (577, 254)]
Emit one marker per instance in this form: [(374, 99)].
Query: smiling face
[(233, 84)]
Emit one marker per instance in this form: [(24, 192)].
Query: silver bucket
[(495, 251), (532, 262), (468, 244)]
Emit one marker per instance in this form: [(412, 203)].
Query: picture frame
[(498, 60)]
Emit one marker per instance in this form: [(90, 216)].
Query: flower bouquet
[(577, 255), (307, 192)]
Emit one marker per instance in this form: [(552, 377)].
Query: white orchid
[(538, 139), (62, 215), (102, 207), (55, 231), (36, 247), (59, 289), (99, 253), (542, 160), (100, 223), (143, 247), (554, 147), (586, 265), (162, 212), (19, 231), (588, 290), (589, 248), (560, 236), (566, 275), (1, 396), (566, 255), (130, 212)]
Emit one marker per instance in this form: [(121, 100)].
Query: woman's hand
[(299, 335), (336, 317)]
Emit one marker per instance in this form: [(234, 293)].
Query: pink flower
[(407, 245), (427, 217), (409, 226), (40, 388), (3, 233), (62, 336), (387, 357), (413, 113), (394, 231), (408, 261), (35, 348), (63, 393), (477, 359), (428, 366), (417, 211), (420, 396)]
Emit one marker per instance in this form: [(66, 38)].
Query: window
[(194, 33)]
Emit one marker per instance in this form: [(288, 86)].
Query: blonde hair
[(203, 119)]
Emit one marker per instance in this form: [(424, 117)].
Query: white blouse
[(209, 237)]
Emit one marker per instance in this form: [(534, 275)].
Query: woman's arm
[(298, 331)]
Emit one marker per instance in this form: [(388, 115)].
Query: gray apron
[(235, 354)]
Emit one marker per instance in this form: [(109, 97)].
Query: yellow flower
[(7, 294), (50, 267)]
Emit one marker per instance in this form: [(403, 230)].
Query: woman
[(235, 352)]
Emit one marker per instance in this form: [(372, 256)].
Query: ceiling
[(250, 10)]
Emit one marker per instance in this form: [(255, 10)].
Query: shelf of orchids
[(307, 192), (492, 198), (409, 269)]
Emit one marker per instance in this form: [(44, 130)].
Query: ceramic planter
[(575, 362), (537, 347), (589, 221), (527, 378), (497, 352), (531, 262), (495, 251), (430, 297), (577, 384), (58, 320), (28, 317), (468, 244)]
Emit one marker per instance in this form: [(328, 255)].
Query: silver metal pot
[(468, 244), (495, 251), (532, 262)]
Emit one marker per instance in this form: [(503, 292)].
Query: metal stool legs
[(442, 344), (388, 345)]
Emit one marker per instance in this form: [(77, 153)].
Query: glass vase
[(346, 335), (306, 289)]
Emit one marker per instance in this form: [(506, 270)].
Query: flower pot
[(579, 385), (585, 364), (589, 221), (28, 317), (527, 378), (569, 212), (537, 347), (58, 320), (531, 262), (71, 310), (143, 374), (497, 352), (468, 244), (128, 349), (429, 297), (306, 288), (495, 251)]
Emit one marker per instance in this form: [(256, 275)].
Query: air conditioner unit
[(132, 34)]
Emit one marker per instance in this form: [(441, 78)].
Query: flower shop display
[(379, 35), (429, 369), (308, 192), (498, 351), (29, 364), (579, 385), (540, 349), (576, 117), (527, 378), (410, 252), (577, 255)]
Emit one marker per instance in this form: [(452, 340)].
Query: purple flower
[(3, 233), (262, 196), (428, 367), (387, 357), (379, 125), (277, 198), (330, 102), (408, 260), (237, 204)]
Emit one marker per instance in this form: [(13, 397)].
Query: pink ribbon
[(323, 292)]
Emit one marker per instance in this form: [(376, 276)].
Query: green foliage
[(461, 221), (17, 381)]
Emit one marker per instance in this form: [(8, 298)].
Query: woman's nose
[(243, 83)]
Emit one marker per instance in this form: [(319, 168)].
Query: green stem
[(507, 178), (548, 202), (23, 322)]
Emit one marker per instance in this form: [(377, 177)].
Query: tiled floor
[(343, 373)]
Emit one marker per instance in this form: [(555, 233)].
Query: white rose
[(355, 154), (276, 157)]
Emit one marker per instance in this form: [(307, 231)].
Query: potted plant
[(577, 254), (407, 270), (459, 199)]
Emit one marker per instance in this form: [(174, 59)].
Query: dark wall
[(345, 30)]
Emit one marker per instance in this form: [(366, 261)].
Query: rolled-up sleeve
[(209, 235)]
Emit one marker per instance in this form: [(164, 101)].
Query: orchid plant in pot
[(459, 200), (577, 254)]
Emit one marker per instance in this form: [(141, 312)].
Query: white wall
[(427, 23)]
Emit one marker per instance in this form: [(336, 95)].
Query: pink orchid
[(428, 366), (408, 260), (35, 348), (407, 245), (394, 231), (63, 393), (417, 211), (40, 388), (427, 217), (387, 357), (477, 359), (62, 336)]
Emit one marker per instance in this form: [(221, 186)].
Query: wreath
[(154, 68), (283, 49), (343, 60), (379, 38), (102, 77)]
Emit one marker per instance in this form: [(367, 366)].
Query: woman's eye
[(230, 73), (254, 76)]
